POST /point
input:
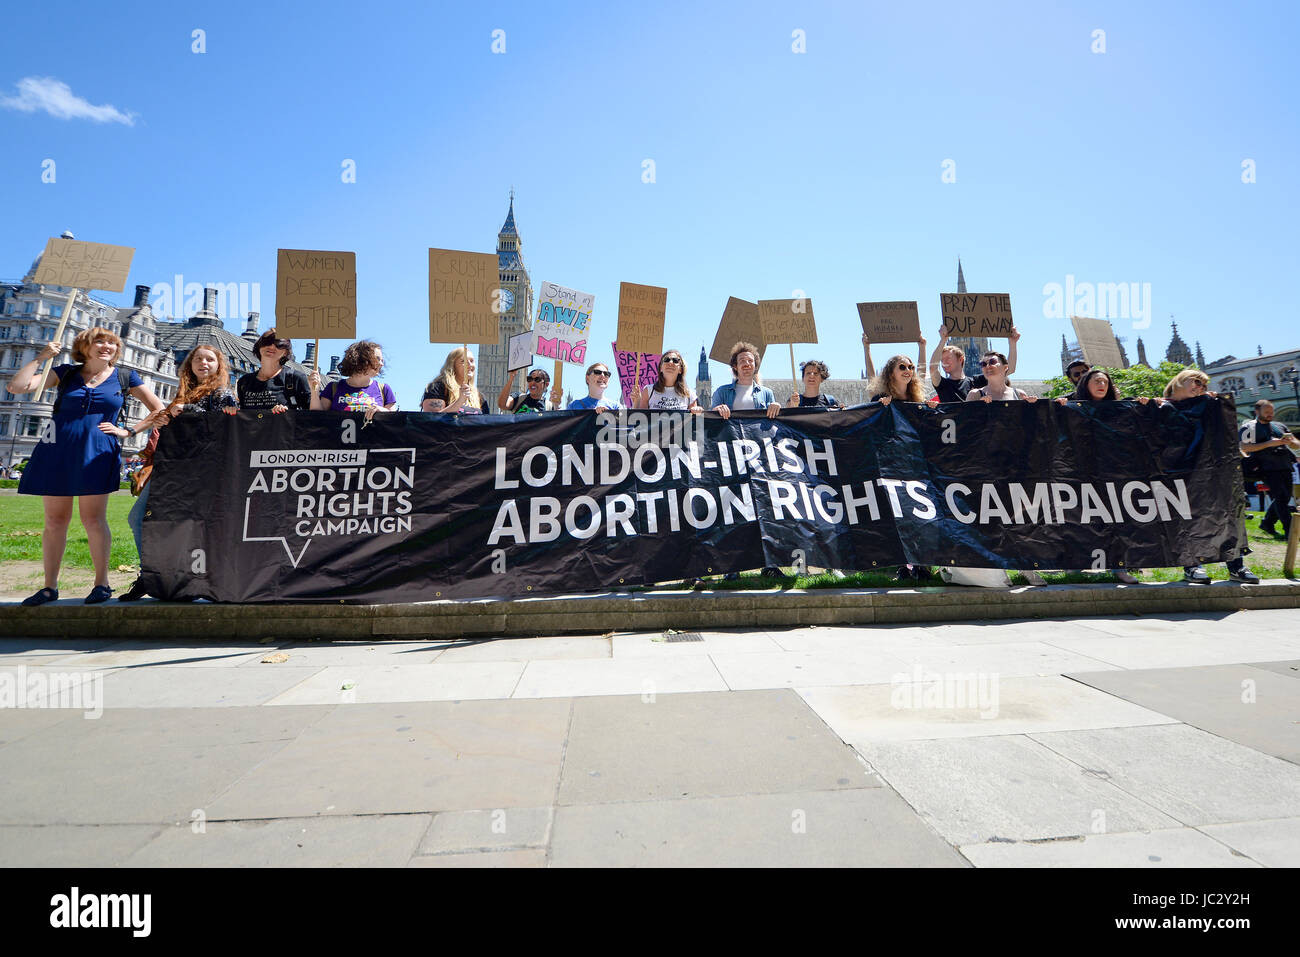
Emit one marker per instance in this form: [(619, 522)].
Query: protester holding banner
[(669, 391), (996, 388), (898, 380), (79, 457), (362, 362), (747, 390), (871, 369), (454, 386), (814, 373), (534, 400), (954, 385), (597, 383), (274, 388), (204, 387)]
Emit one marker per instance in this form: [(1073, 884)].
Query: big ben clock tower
[(516, 309)]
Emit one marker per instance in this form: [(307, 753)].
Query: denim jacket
[(726, 395)]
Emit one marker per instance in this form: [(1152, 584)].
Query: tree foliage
[(1129, 383)]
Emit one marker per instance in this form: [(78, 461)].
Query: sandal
[(99, 594), (42, 596)]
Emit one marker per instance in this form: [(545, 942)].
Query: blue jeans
[(136, 520)]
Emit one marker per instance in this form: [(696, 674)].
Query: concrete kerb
[(598, 614)]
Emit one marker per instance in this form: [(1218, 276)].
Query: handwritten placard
[(1097, 340), (80, 265), (464, 299), (739, 324), (641, 314), (787, 320), (520, 352), (627, 380), (563, 323), (316, 294), (976, 315), (890, 321)]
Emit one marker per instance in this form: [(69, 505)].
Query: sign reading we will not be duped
[(563, 323), (316, 294), (81, 265), (976, 314)]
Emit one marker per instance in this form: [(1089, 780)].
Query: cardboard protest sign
[(80, 265), (519, 352), (464, 297), (641, 313), (316, 294), (1097, 340), (976, 315), (739, 324), (890, 321), (787, 320), (627, 380), (563, 323)]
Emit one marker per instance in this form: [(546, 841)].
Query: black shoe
[(1196, 575), (771, 571), (99, 594), (135, 592), (1244, 575), (42, 596), (906, 574)]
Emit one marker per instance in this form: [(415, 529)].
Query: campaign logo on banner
[(563, 323), (626, 362)]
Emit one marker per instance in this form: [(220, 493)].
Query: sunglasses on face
[(990, 362), (603, 373), (907, 368), (535, 378), (672, 359)]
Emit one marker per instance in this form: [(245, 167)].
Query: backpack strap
[(63, 386), (124, 383)]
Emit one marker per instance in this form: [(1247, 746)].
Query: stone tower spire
[(1142, 354), (1178, 351)]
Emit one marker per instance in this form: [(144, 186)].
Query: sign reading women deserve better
[(563, 323)]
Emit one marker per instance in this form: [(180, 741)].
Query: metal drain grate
[(684, 636)]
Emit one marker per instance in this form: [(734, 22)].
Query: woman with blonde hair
[(454, 385), (204, 387), (1188, 384), (669, 390), (897, 380), (82, 457)]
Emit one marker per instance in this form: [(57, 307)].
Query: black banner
[(414, 507)]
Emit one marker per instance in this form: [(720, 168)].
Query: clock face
[(507, 300)]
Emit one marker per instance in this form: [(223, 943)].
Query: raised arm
[(866, 355), (935, 372), (27, 379), (1011, 351), (920, 355), (503, 399)]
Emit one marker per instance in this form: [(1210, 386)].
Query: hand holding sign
[(976, 315)]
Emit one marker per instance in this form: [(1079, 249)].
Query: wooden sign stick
[(636, 383), (315, 356), (58, 337), (559, 380), (794, 378)]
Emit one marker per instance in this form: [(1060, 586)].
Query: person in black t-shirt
[(273, 387), (454, 387), (956, 385), (1269, 448), (814, 373), (534, 400)]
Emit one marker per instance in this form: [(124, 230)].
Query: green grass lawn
[(22, 517)]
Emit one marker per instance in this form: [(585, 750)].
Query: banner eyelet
[(437, 594)]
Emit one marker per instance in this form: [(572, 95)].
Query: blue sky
[(774, 170)]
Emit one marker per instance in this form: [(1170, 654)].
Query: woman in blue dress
[(80, 456)]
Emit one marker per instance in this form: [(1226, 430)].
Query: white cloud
[(57, 99)]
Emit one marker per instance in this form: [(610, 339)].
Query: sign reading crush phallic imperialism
[(464, 296), (415, 507)]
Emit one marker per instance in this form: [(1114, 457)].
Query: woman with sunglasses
[(897, 381), (997, 388), (81, 458), (597, 383), (814, 373), (669, 391), (531, 401), (871, 369)]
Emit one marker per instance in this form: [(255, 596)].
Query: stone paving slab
[(166, 686), (126, 654), (73, 845), (325, 654), (851, 639), (861, 714), (973, 790), (1191, 775), (1176, 650), (1176, 847), (1014, 630), (1290, 669), (1273, 843), (408, 757), (139, 766), (619, 676), (1243, 703), (1008, 660), (654, 644), (18, 723), (379, 841), (372, 684), (529, 857), (38, 651), (702, 745), (791, 669), (496, 829), (526, 649), (854, 827)]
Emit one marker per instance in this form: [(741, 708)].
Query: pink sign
[(626, 362)]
